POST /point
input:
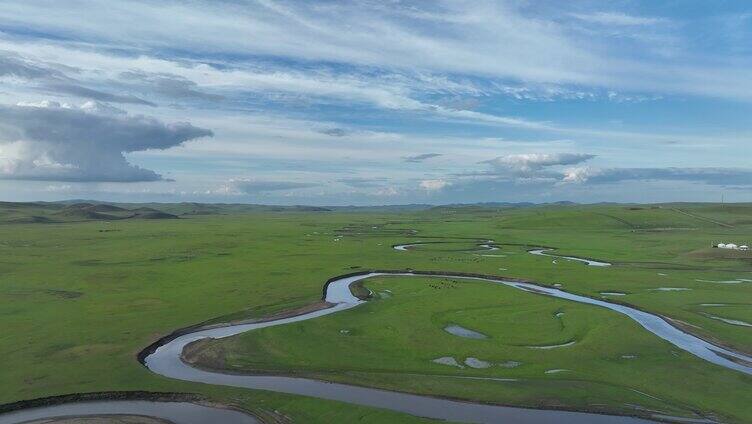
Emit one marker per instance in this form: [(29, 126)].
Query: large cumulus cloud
[(54, 142)]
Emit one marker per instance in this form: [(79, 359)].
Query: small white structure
[(732, 246)]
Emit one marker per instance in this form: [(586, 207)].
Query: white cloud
[(501, 40), (15, 65), (59, 142), (58, 188), (529, 162), (358, 33), (433, 185), (387, 192), (576, 175), (617, 18), (316, 93)]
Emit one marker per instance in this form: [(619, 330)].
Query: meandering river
[(488, 245), (591, 262), (165, 360)]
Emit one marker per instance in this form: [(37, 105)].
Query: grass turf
[(79, 300)]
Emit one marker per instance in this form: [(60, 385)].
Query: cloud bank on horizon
[(375, 103)]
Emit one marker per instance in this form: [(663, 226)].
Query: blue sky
[(376, 102)]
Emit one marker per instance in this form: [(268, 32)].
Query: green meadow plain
[(84, 288)]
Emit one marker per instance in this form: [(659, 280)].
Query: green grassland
[(81, 295)]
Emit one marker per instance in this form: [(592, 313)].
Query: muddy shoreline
[(97, 396), (77, 399)]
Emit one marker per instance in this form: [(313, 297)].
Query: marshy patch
[(447, 360), (477, 363), (467, 333)]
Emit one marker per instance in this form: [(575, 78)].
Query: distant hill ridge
[(55, 212), (89, 210)]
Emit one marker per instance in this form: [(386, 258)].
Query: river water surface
[(166, 360)]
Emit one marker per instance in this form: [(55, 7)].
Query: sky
[(376, 102)]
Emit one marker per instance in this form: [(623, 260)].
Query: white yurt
[(721, 245), (731, 246)]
